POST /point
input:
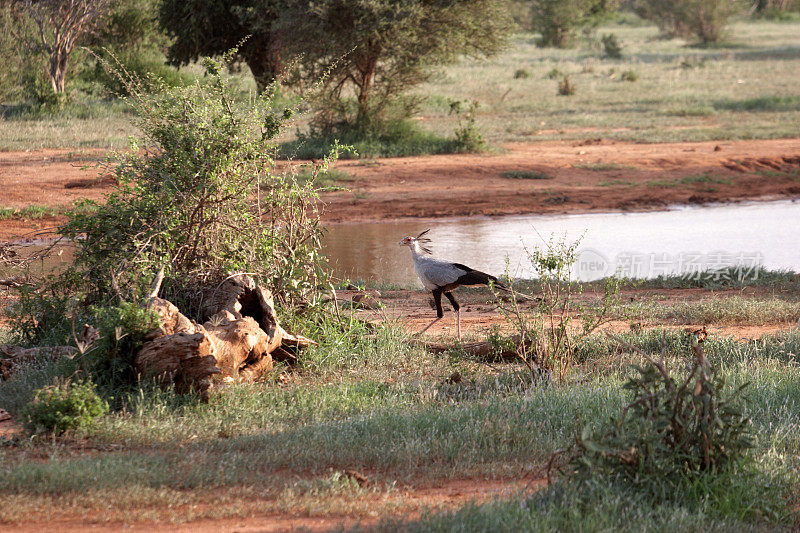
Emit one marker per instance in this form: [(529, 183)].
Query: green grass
[(330, 178), (602, 167), (663, 184), (377, 405), (92, 123), (400, 139), (696, 179), (616, 183), (728, 310), (29, 212), (526, 175), (733, 502), (744, 89), (705, 178), (784, 281), (761, 103), (745, 499)]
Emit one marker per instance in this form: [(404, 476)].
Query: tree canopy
[(211, 28), (368, 52), (362, 51)]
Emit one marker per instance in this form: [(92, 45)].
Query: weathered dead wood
[(172, 321), (483, 350), (183, 359), (239, 343), (237, 340)]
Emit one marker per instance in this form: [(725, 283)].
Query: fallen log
[(482, 350), (237, 340), (184, 359)]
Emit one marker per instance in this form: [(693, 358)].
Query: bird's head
[(420, 240)]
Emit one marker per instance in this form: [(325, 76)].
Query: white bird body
[(441, 277), (432, 272)]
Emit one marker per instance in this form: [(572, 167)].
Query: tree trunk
[(366, 67), (264, 59), (58, 69)]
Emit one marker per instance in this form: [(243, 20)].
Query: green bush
[(677, 425), (400, 138), (198, 197), (64, 406), (706, 20), (611, 46), (521, 74), (468, 138), (558, 20), (121, 330), (554, 74), (629, 75)]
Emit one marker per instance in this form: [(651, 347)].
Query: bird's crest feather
[(422, 240)]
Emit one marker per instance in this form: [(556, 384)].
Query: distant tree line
[(359, 56)]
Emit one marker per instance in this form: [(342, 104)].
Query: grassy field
[(743, 89), (384, 407)]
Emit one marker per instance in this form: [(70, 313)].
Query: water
[(683, 240)]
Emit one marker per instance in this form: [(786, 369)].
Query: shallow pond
[(684, 240)]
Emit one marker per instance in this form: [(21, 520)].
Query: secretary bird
[(441, 277)]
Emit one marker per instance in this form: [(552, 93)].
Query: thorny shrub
[(559, 320), (198, 196), (706, 20), (468, 138), (677, 425), (611, 46)]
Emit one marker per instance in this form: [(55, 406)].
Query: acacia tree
[(60, 24), (369, 52), (557, 20), (706, 20), (211, 28)]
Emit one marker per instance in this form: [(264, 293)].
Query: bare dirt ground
[(594, 175), (586, 176), (415, 311), (445, 495)]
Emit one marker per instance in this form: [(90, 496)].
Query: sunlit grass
[(743, 89), (380, 407)]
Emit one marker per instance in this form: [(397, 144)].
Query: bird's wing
[(440, 273)]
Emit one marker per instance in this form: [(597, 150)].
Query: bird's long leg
[(437, 298), (457, 309)]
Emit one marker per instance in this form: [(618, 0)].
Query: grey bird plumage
[(441, 277)]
